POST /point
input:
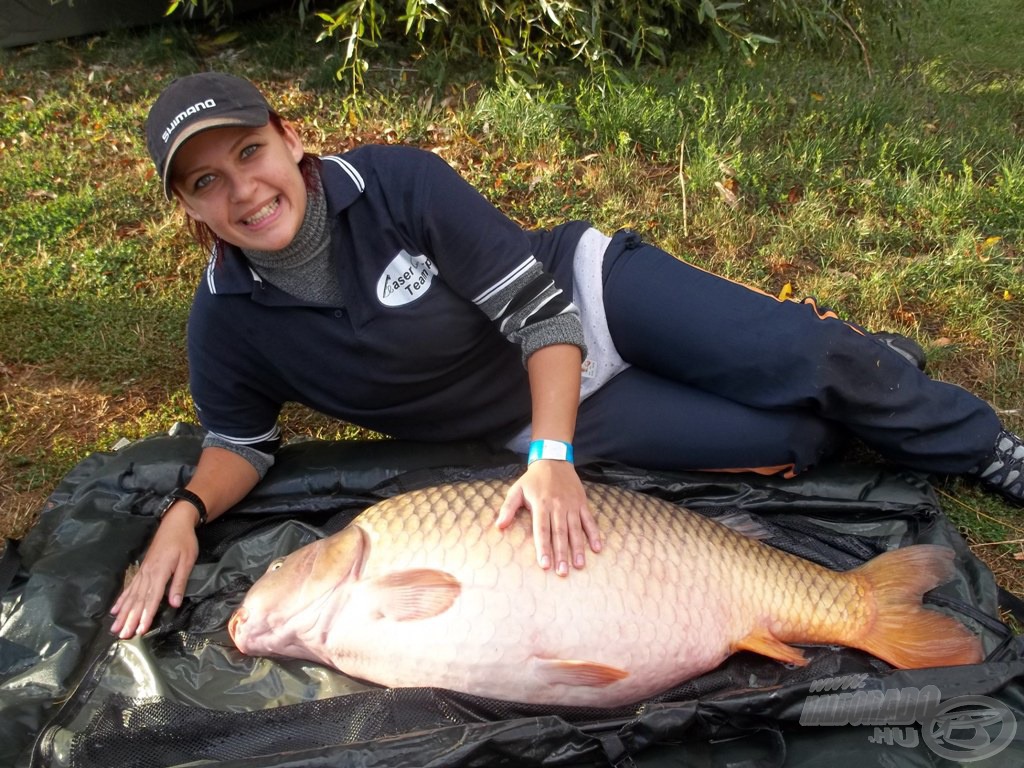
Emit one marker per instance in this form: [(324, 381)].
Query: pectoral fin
[(574, 672), (416, 594), (762, 641)]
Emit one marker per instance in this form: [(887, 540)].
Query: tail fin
[(904, 633)]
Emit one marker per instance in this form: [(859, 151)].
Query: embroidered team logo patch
[(406, 279)]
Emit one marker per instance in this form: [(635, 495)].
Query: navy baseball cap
[(198, 103)]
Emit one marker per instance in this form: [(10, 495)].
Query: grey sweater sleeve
[(530, 310), (260, 461)]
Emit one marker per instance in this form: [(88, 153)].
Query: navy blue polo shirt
[(409, 353)]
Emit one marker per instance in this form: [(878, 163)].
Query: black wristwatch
[(183, 494)]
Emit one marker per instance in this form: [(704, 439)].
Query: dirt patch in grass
[(18, 511), (49, 424)]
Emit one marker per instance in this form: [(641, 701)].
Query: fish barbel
[(423, 590)]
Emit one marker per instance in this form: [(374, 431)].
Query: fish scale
[(424, 590)]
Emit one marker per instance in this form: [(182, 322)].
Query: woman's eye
[(249, 150), (203, 181)]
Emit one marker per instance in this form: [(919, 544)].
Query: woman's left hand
[(563, 525)]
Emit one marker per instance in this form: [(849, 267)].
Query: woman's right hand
[(165, 568), (222, 479)]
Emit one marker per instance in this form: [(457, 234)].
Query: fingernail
[(580, 561), (563, 568), (545, 562)]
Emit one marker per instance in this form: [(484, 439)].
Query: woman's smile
[(263, 213)]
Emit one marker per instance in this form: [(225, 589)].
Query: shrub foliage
[(525, 37)]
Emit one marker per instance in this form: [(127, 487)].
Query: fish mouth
[(236, 626)]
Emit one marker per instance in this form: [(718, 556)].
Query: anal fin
[(762, 641), (589, 674)]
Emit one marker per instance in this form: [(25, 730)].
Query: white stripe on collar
[(211, 270), (211, 273), (350, 169)]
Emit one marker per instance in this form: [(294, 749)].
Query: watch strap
[(183, 494)]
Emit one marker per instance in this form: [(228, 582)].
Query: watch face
[(164, 506)]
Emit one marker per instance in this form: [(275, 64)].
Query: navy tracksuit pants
[(726, 377)]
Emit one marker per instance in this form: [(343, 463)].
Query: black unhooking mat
[(70, 695)]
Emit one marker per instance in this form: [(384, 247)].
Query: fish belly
[(660, 604)]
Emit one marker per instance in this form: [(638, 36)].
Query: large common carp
[(424, 590)]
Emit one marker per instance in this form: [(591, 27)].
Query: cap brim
[(251, 119)]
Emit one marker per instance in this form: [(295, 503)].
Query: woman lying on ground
[(378, 287)]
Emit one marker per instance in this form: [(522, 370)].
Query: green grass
[(897, 199)]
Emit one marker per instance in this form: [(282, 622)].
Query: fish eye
[(276, 565)]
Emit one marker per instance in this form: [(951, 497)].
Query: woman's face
[(244, 184)]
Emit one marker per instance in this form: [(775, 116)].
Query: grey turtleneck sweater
[(304, 268)]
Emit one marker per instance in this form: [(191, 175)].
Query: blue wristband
[(549, 449)]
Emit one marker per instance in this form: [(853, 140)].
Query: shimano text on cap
[(197, 103)]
